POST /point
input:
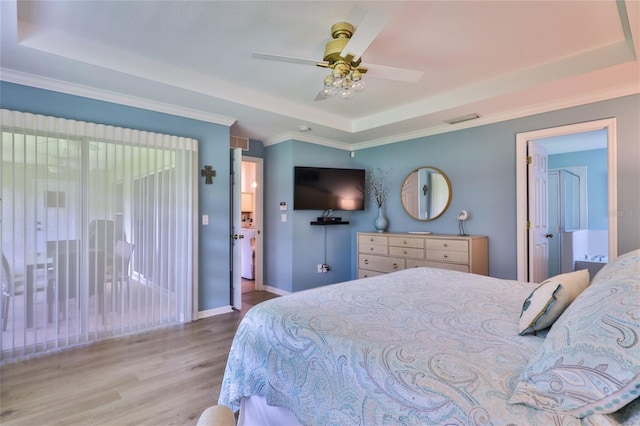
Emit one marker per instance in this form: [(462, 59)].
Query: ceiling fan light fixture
[(344, 80)]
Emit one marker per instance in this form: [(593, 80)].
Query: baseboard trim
[(275, 290), (213, 312)]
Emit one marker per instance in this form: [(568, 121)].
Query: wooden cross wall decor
[(208, 174)]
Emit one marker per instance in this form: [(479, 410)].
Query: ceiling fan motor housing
[(341, 33)]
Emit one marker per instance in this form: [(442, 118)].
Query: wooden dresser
[(381, 253)]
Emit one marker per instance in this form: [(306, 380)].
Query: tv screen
[(323, 188)]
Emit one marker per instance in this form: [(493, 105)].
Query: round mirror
[(426, 193)]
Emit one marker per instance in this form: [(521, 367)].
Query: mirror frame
[(450, 195)]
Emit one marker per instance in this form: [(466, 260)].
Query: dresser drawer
[(379, 240), (365, 273), (406, 242), (380, 263), (372, 248), (448, 245), (448, 256), (417, 253), (380, 253), (411, 263)]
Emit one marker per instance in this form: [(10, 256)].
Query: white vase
[(381, 222)]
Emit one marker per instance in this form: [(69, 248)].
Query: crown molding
[(608, 94), (302, 137), (31, 80), (17, 77)]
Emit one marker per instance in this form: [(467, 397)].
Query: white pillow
[(549, 300)]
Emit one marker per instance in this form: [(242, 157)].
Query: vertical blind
[(98, 231)]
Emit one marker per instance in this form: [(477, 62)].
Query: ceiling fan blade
[(368, 29), (320, 96), (393, 73), (280, 58)]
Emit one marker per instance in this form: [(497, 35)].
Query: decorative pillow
[(590, 360), (549, 300)]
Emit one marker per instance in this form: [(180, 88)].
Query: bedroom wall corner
[(294, 248)]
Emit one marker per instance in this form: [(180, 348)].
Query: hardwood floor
[(248, 286), (161, 377)]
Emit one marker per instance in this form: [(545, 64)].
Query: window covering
[(98, 231)]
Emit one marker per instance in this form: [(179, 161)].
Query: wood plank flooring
[(161, 377)]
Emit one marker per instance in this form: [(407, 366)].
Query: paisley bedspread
[(417, 347)]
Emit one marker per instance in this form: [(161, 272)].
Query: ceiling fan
[(343, 55)]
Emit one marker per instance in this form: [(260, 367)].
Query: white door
[(236, 226), (537, 175)]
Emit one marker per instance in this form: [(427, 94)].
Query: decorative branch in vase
[(380, 191)]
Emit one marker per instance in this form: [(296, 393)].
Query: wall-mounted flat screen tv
[(324, 188)]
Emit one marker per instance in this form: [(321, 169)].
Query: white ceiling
[(499, 59)]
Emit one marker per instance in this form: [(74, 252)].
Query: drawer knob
[(404, 242), (371, 248), (446, 245), (445, 256), (366, 276), (371, 239), (395, 266), (366, 261), (405, 252)]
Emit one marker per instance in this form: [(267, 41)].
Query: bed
[(429, 347)]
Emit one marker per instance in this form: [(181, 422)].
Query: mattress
[(419, 346)]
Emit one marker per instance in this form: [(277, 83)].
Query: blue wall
[(596, 162), (295, 248), (256, 149), (480, 163), (213, 286)]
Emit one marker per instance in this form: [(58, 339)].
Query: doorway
[(526, 256), (251, 224)]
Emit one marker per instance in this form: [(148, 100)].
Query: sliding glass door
[(97, 231)]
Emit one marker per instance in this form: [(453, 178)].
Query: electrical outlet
[(323, 267)]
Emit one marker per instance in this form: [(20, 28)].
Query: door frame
[(235, 189), (258, 219), (522, 198)]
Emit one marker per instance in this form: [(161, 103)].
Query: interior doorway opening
[(251, 224), (527, 256)]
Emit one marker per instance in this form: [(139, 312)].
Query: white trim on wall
[(18, 77), (521, 183), (68, 88), (213, 312)]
